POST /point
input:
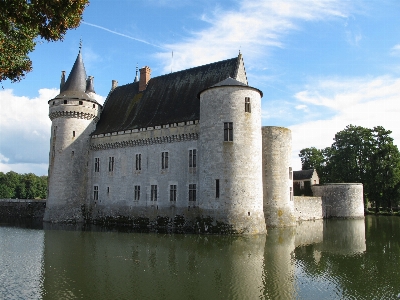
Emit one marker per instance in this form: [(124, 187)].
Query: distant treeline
[(22, 186)]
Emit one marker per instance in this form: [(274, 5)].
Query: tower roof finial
[(80, 45)]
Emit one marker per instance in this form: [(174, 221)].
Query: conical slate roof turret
[(77, 86), (77, 78)]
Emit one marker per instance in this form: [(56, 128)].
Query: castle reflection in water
[(110, 265)]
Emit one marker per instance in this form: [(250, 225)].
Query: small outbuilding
[(303, 180)]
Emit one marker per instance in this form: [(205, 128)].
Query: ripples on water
[(21, 261), (334, 259)]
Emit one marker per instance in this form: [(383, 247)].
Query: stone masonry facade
[(183, 149)]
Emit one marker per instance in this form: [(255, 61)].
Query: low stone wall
[(341, 200), (22, 209), (308, 208)]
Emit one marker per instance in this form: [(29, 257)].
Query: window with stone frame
[(192, 192), (164, 160), (216, 188), (111, 164), (138, 161), (97, 164), (172, 193), (228, 131), (137, 192), (192, 158), (247, 105), (95, 192), (153, 192)]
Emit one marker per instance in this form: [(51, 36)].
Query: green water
[(334, 259)]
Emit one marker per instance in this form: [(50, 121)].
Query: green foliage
[(22, 186), (23, 21), (363, 155)]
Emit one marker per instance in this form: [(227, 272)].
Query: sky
[(321, 65)]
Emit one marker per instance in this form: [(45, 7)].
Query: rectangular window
[(111, 164), (96, 193), (97, 164), (192, 158), (216, 188), (137, 192), (80, 102), (164, 160), (172, 193), (228, 131), (290, 173), (108, 190), (153, 195), (138, 162), (247, 106), (65, 101), (192, 192), (73, 133), (291, 194)]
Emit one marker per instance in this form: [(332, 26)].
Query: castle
[(186, 145)]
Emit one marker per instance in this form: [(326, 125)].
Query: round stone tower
[(230, 183), (277, 176), (74, 114)]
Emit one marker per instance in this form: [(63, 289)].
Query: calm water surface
[(334, 259)]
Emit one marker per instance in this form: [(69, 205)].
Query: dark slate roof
[(303, 174), (228, 82), (77, 78), (169, 98), (76, 86)]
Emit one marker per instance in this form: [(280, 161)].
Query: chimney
[(62, 79), (144, 78), (90, 85), (114, 84)]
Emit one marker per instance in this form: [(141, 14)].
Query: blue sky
[(321, 64)]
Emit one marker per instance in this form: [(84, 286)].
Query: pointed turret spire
[(77, 78), (137, 76)]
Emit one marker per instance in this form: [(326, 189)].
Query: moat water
[(331, 259)]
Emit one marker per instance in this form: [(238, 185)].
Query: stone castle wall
[(277, 176), (13, 209), (308, 208), (231, 167), (342, 200), (72, 123), (116, 188)]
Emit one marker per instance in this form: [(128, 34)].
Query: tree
[(313, 158), (22, 186), (385, 170), (23, 21), (362, 155)]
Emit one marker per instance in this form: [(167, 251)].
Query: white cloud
[(366, 102), (24, 131), (253, 28), (395, 51), (3, 158), (301, 107), (99, 98)]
